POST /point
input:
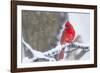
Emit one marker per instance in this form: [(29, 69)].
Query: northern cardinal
[(67, 37)]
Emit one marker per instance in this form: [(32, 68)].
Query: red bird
[(67, 37)]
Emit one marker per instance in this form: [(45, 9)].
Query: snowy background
[(41, 30)]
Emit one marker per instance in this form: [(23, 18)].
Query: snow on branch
[(36, 54), (49, 55)]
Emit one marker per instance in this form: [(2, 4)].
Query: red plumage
[(67, 37), (68, 34)]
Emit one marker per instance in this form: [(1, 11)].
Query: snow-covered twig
[(84, 46), (74, 46), (49, 55), (36, 54)]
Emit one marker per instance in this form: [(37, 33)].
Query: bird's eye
[(66, 27)]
